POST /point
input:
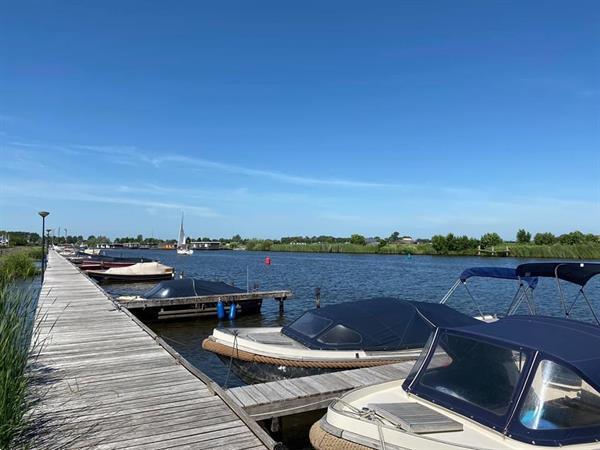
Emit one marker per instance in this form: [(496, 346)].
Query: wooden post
[(318, 297), (280, 300)]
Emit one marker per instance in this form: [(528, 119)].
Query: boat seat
[(415, 418)]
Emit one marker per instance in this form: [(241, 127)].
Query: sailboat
[(182, 248)]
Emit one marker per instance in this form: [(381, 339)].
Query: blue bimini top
[(578, 273), (505, 273)]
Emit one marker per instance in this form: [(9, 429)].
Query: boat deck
[(109, 382), (293, 396)]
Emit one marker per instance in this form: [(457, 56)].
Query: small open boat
[(364, 333), (147, 271), (518, 383)]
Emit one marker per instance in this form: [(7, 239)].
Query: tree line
[(451, 243)]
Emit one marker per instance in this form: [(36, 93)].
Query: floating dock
[(203, 305), (107, 381), (281, 398)]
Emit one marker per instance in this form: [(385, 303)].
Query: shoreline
[(556, 251)]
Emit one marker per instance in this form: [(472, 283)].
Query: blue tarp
[(378, 324), (505, 273), (190, 287)]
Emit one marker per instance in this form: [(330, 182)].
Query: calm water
[(342, 278)]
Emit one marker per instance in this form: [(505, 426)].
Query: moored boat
[(364, 333), (520, 382), (189, 290), (147, 271)]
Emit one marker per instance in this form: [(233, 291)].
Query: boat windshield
[(475, 372), (559, 399), (310, 324)]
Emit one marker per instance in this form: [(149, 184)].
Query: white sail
[(181, 245), (181, 240)]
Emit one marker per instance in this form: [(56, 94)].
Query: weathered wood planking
[(203, 299), (107, 383), (293, 396)]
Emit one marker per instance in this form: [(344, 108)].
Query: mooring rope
[(235, 347)]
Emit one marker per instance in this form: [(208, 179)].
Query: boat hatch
[(415, 418)]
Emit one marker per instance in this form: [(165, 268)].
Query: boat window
[(559, 398), (479, 373), (310, 324), (340, 334)]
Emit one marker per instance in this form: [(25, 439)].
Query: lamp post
[(43, 214)]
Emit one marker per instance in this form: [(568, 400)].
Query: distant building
[(205, 245), (407, 240), (131, 245), (4, 240)]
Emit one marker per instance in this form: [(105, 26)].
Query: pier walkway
[(107, 381), (296, 395)]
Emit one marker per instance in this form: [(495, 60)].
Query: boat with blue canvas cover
[(517, 383), (363, 333), (190, 289)]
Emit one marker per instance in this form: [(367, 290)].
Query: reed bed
[(18, 301)]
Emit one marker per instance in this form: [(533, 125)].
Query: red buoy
[(268, 260)]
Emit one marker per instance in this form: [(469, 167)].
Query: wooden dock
[(286, 397), (204, 305), (107, 381)]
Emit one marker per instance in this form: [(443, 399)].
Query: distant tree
[(394, 237), (438, 243), (544, 239), (523, 236), (575, 237), (358, 239), (236, 238), (490, 240)]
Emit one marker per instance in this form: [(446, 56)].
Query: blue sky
[(283, 118)]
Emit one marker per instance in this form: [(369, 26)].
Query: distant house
[(205, 245), (407, 240), (131, 245), (4, 240), (372, 241)]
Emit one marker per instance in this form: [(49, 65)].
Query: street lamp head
[(43, 213)]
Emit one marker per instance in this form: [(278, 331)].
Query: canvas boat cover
[(576, 343), (378, 324), (190, 287), (147, 268), (505, 273), (578, 273), (568, 343)]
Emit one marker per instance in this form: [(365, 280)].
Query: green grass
[(577, 251), (17, 309), (17, 312), (15, 266)]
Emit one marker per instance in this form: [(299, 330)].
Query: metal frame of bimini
[(577, 273), (526, 285)]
